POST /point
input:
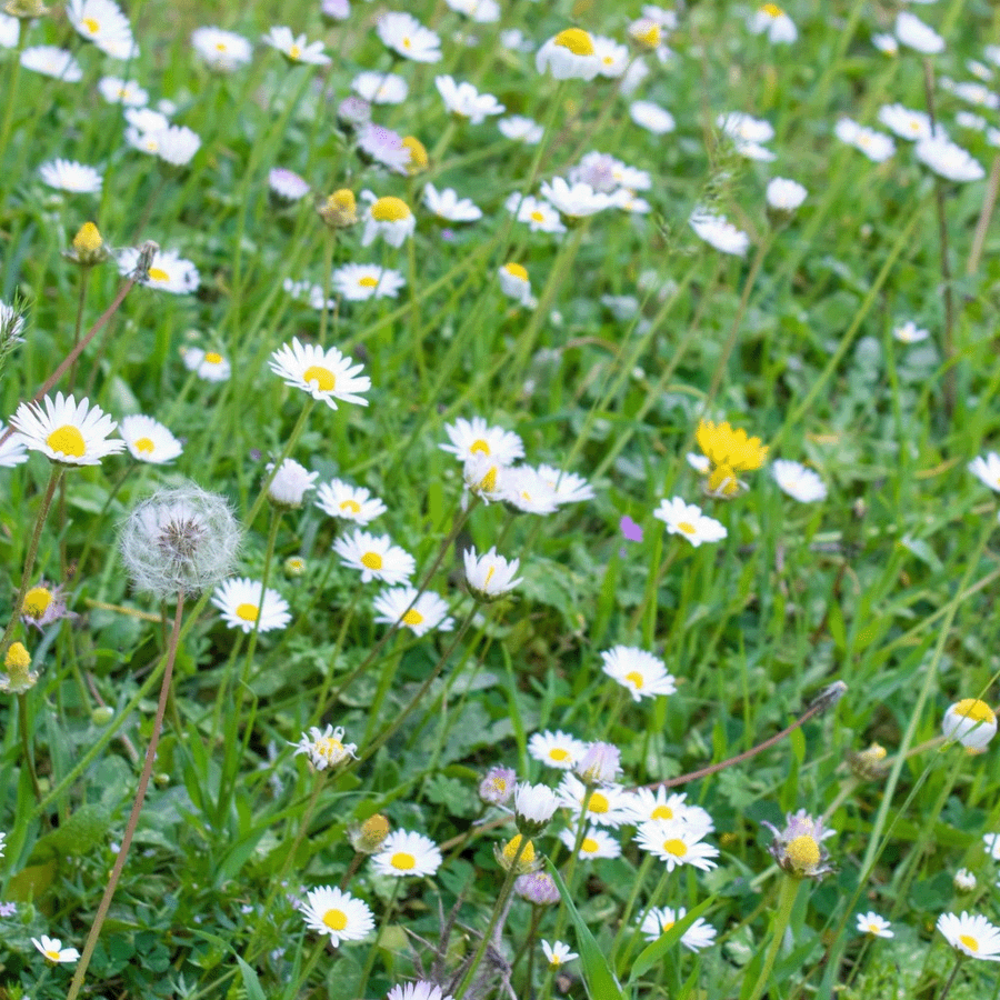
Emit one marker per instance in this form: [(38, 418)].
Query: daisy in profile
[(400, 606), (677, 843), (471, 438), (388, 217), (718, 232), (687, 520), (407, 37), (596, 843), (358, 282), (569, 55), (948, 160), (329, 910), (557, 749), (657, 922), (208, 365), (606, 806), (653, 118), (798, 482), (784, 196), (349, 503), (53, 950), (65, 431), (222, 51), (103, 23), (68, 175), (575, 201), (49, 60), (915, 34), (448, 206), (295, 48), (972, 935), (640, 673), (645, 805), (490, 576), (463, 100), (872, 924), (558, 953), (515, 283), (168, 271), (375, 557), (148, 440), (521, 129), (239, 600), (987, 470), (325, 374), (174, 144), (380, 88), (289, 485), (12, 450), (287, 184), (405, 853), (325, 747), (771, 20), (971, 722)]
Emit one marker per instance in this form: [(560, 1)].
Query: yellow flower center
[(576, 40), (970, 942), (675, 847), (516, 271), (803, 852), (52, 954), (589, 845), (248, 612), (368, 281), (67, 440), (513, 847), (480, 447), (294, 52), (323, 377), (336, 920), (598, 803), (36, 601), (772, 10), (158, 274), (687, 527), (976, 710), (390, 209), (327, 746), (220, 46), (403, 862), (372, 560), (489, 482), (407, 44), (725, 446), (489, 576), (557, 753), (662, 812), (352, 505), (419, 159), (412, 617), (91, 25), (636, 678), (537, 216), (649, 37), (213, 359), (145, 445), (667, 926)]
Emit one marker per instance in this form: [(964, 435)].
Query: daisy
[(103, 23), (388, 217), (329, 910), (52, 61), (490, 576), (325, 374), (239, 600), (606, 806), (384, 146), (964, 880), (148, 440), (556, 749), (798, 848), (539, 215), (595, 844), (325, 747), (448, 206), (557, 953), (358, 282), (349, 503), (380, 88), (407, 37), (991, 841), (428, 611), (600, 764), (208, 365), (168, 271), (773, 21), (53, 950), (480, 11), (567, 487), (612, 57), (521, 129), (577, 200), (910, 333), (376, 557), (907, 124), (687, 520), (421, 990), (12, 450), (295, 48), (67, 175), (798, 482), (470, 438), (719, 233), (886, 44), (784, 195), (464, 100), (405, 853), (645, 804), (987, 470), (223, 51), (19, 678), (975, 93), (972, 935), (652, 117), (44, 604), (65, 431), (289, 484), (498, 785), (118, 91), (569, 55), (677, 843), (482, 476), (640, 673), (287, 184), (747, 134), (522, 488), (515, 283), (871, 923), (912, 32), (657, 922), (948, 160), (146, 120), (534, 806), (176, 144), (875, 145), (10, 31), (972, 722)]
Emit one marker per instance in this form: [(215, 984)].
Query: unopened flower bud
[(868, 764), (537, 888), (102, 715), (515, 857), (534, 806), (19, 678), (290, 484), (88, 247), (964, 880), (367, 838), (295, 566), (600, 764), (340, 210)]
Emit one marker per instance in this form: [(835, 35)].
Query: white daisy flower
[(53, 950), (972, 935), (290, 484), (534, 805), (405, 853), (612, 57), (12, 450), (785, 195), (329, 910), (596, 843), (569, 55), (239, 600), (168, 271), (798, 482), (521, 129), (575, 201), (652, 117), (406, 36), (349, 503), (689, 522), (964, 880), (523, 488), (115, 90), (65, 431), (907, 124), (49, 60), (388, 217), (483, 476), (175, 144), (567, 487), (380, 88), (540, 216), (646, 804), (287, 184), (223, 51), (948, 160), (915, 34), (447, 205), (606, 806), (557, 953), (208, 365), (103, 23), (677, 843), (68, 175), (480, 11), (716, 231), (420, 990), (871, 923), (375, 557), (145, 120), (877, 146), (987, 470), (490, 576), (295, 48), (10, 31), (747, 134), (428, 612), (991, 841), (358, 282), (325, 374), (556, 749), (773, 21), (325, 747), (886, 44), (470, 438), (148, 440), (974, 93), (640, 673), (971, 722), (464, 100), (515, 283), (657, 922)]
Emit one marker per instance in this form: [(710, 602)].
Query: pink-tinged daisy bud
[(537, 888), (290, 484), (600, 764), (497, 785)]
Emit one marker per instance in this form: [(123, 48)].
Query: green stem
[(22, 721), (787, 893), (15, 72)]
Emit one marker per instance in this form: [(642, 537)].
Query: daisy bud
[(18, 678), (295, 566), (290, 484), (340, 210), (534, 806), (868, 764), (512, 856), (183, 539), (537, 888), (497, 786), (102, 715), (419, 160), (600, 764), (88, 247), (971, 722), (370, 835), (964, 880)]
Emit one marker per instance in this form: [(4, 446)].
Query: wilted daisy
[(168, 271), (380, 88), (209, 365), (470, 438), (52, 61), (677, 843), (521, 129), (871, 923), (325, 747), (490, 576), (53, 950), (358, 282), (448, 206), (240, 601), (388, 217), (972, 935), (65, 431), (464, 100), (405, 853), (798, 482), (987, 470), (556, 749), (557, 954), (971, 722), (596, 843), (606, 806), (640, 673), (515, 283), (429, 611), (719, 233), (375, 556), (569, 56), (948, 160), (223, 51), (653, 118), (349, 503), (68, 175), (687, 520), (537, 888), (798, 848), (915, 34), (407, 37), (148, 440), (657, 922), (295, 48), (645, 804), (44, 604), (329, 910), (325, 373), (910, 333), (12, 450), (875, 145), (103, 23), (115, 90)]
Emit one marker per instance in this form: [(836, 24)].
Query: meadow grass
[(293, 731)]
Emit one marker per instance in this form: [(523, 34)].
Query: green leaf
[(653, 952), (250, 981)]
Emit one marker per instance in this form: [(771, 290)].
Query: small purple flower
[(631, 530), (8, 909), (354, 111), (538, 888), (497, 785)]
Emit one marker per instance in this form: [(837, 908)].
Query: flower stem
[(787, 893), (954, 972)]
